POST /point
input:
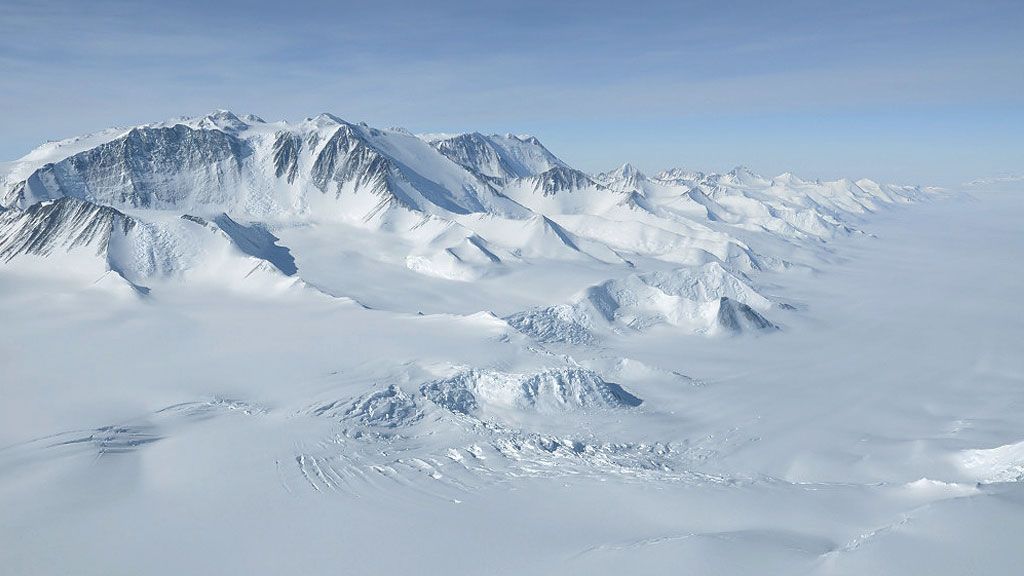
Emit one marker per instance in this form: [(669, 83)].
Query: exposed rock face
[(497, 158), (146, 168), (736, 316), (561, 179), (163, 199), (707, 299), (555, 390), (65, 224), (346, 159)]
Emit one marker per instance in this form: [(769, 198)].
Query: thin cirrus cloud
[(635, 75)]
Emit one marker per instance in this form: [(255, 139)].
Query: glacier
[(261, 347)]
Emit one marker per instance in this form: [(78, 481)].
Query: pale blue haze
[(922, 92)]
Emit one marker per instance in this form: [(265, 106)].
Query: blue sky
[(924, 92)]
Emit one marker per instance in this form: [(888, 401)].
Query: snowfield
[(236, 346)]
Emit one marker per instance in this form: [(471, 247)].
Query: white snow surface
[(237, 346)]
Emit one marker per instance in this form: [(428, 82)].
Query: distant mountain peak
[(629, 172), (527, 138), (224, 120), (742, 170), (625, 178), (786, 179), (326, 119), (562, 179), (223, 114), (680, 175), (497, 158), (465, 204)]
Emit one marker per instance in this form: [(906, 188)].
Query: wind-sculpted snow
[(464, 207), (477, 426), (106, 439), (1000, 464), (705, 283), (475, 391), (354, 463), (708, 299), (126, 437), (566, 323), (527, 356), (464, 260), (256, 240), (388, 407)]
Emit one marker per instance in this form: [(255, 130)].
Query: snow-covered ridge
[(495, 157), (707, 299), (558, 390), (629, 370), (67, 224), (149, 200)]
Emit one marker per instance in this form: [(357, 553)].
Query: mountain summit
[(235, 201)]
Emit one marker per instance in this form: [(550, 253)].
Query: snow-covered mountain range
[(250, 346), (217, 199)]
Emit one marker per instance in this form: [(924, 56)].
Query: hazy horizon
[(928, 93), (236, 347)]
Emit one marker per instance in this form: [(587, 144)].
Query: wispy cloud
[(68, 67)]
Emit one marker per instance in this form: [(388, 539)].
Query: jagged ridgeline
[(210, 198)]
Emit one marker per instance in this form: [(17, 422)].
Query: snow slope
[(231, 345), (465, 206), (706, 300)]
